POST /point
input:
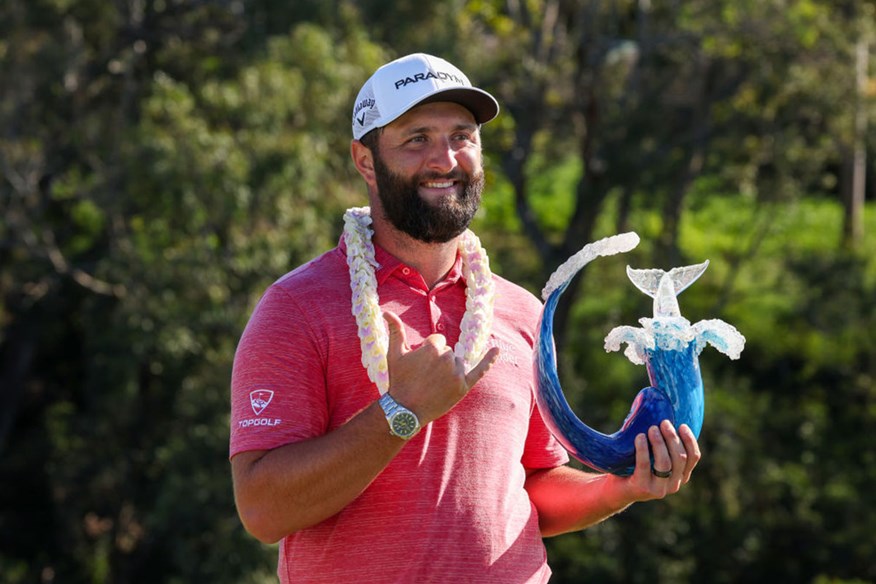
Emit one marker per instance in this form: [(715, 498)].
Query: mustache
[(458, 175)]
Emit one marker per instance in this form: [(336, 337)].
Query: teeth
[(439, 185)]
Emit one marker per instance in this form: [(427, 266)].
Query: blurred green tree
[(155, 182)]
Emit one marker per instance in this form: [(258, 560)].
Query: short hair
[(371, 140)]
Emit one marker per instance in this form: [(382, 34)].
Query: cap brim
[(481, 104)]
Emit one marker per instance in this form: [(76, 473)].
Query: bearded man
[(384, 421)]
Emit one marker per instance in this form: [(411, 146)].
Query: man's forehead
[(435, 115)]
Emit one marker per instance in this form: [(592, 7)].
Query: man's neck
[(432, 260)]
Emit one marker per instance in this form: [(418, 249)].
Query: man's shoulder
[(312, 292), (321, 275), (511, 294), (514, 303)]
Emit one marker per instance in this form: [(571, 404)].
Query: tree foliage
[(163, 161)]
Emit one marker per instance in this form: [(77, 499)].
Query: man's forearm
[(296, 486), (570, 500)]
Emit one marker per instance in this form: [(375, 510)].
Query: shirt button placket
[(435, 314)]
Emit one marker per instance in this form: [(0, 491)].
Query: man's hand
[(675, 452), (430, 379), (568, 499)]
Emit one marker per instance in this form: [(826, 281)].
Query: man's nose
[(442, 157)]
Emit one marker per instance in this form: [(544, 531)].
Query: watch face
[(404, 424)]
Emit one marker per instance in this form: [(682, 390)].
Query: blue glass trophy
[(667, 344)]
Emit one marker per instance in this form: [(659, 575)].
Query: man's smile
[(439, 184)]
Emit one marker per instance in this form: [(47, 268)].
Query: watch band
[(402, 421)]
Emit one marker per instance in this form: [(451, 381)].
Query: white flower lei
[(479, 293)]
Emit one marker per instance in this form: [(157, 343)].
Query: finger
[(397, 345), (643, 457), (479, 370), (662, 460), (675, 447), (437, 340), (691, 447)]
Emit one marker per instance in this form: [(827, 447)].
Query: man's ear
[(364, 161)]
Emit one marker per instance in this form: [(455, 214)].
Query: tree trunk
[(856, 165)]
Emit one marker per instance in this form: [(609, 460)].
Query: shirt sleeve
[(278, 393), (542, 450)]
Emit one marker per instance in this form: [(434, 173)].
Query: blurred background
[(163, 161)]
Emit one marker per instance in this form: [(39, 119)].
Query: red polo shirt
[(451, 506)]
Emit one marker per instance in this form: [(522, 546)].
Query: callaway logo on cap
[(419, 78)]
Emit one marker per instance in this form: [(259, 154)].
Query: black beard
[(408, 212)]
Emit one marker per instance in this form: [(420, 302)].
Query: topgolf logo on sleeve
[(260, 399)]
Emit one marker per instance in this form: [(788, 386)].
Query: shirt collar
[(389, 265)]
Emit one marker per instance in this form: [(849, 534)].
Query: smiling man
[(404, 441), (431, 199)]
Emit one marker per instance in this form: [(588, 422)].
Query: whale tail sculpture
[(663, 287), (667, 344)]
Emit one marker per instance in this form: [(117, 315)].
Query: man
[(384, 423)]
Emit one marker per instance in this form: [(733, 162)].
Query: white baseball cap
[(412, 80)]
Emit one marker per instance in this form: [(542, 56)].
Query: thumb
[(481, 368), (397, 344)]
